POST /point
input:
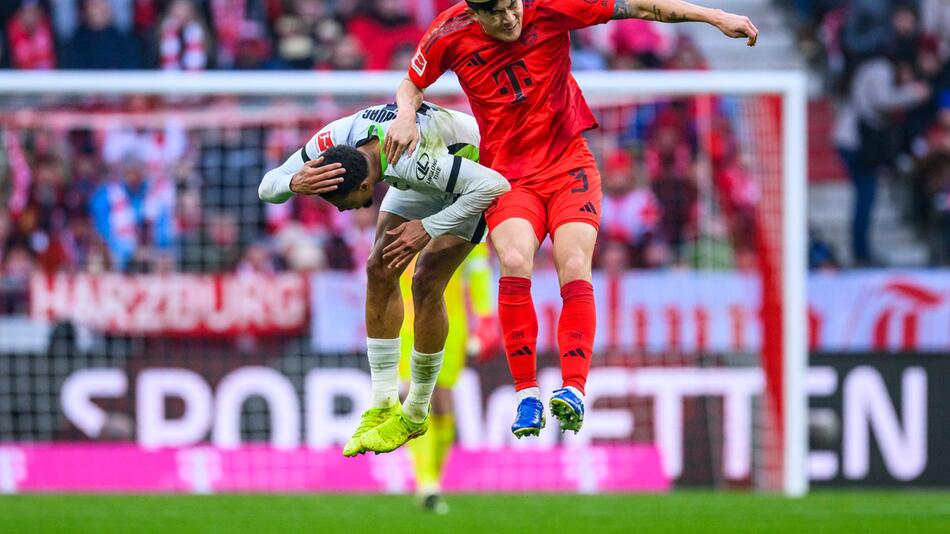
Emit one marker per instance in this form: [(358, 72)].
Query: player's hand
[(314, 178), (411, 237), (737, 26), (402, 138)]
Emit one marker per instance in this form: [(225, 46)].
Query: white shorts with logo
[(412, 205)]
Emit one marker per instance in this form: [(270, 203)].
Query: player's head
[(500, 19), (356, 190)]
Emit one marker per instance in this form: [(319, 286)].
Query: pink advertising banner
[(129, 468)]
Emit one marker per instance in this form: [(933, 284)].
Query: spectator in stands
[(630, 211), (184, 39), (867, 28), (348, 54), (47, 207), (401, 57), (584, 53), (930, 68), (114, 218), (235, 21), (381, 27), (738, 194), (906, 34), (935, 19), (298, 249), (675, 188), (66, 15), (15, 271), (132, 210), (145, 28), (866, 137), (98, 43), (932, 184), (253, 49), (257, 260), (32, 46), (216, 248), (646, 41), (686, 56), (305, 35), (614, 257), (43, 199)]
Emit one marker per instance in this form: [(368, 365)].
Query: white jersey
[(443, 164)]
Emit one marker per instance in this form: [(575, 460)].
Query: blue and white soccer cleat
[(530, 418), (568, 408)]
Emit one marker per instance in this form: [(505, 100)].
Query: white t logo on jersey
[(419, 63)]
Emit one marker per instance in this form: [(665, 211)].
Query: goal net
[(156, 313)]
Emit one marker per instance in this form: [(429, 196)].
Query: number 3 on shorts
[(581, 176)]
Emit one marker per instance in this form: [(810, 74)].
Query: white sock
[(383, 357), (424, 369), (575, 391), (529, 392)]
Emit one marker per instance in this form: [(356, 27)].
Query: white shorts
[(412, 205)]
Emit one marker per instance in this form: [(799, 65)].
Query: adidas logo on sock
[(589, 208), (575, 353), (523, 351)]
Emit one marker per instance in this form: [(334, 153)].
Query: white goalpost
[(789, 165)]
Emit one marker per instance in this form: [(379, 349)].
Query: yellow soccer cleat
[(393, 433), (369, 419)]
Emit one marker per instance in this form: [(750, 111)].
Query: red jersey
[(527, 103)]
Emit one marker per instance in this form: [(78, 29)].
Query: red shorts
[(569, 192)]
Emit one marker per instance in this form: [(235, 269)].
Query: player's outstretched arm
[(403, 135), (730, 24)]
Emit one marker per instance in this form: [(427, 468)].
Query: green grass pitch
[(681, 512)]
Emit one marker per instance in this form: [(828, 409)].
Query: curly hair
[(356, 169)]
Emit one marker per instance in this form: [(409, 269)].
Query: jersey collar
[(376, 130)]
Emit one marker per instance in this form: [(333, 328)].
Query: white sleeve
[(275, 187), (476, 185)]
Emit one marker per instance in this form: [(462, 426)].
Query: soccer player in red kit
[(513, 62)]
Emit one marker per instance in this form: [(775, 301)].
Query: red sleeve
[(582, 13), (429, 62)]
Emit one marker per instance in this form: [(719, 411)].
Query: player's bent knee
[(377, 271)]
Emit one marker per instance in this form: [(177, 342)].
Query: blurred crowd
[(181, 197), (674, 197), (271, 34), (887, 63), (166, 196)]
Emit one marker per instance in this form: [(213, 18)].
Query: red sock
[(575, 332), (519, 326)]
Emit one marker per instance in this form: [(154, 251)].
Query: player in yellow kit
[(469, 305)]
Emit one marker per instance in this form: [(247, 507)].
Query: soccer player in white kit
[(435, 205)]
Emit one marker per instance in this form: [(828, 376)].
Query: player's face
[(503, 22), (361, 197)]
